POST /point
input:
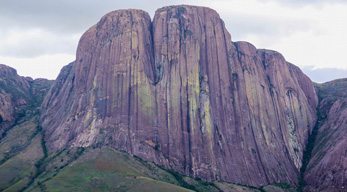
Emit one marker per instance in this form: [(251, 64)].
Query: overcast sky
[(39, 37)]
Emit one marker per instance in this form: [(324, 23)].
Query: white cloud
[(45, 66), (36, 42), (37, 53)]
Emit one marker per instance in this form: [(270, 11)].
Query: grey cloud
[(61, 19), (65, 16)]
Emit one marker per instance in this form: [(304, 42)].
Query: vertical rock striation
[(179, 93), (106, 95)]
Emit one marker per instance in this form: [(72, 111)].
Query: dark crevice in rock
[(167, 123), (222, 111), (130, 93), (189, 135), (129, 112), (309, 148), (183, 131), (156, 77)]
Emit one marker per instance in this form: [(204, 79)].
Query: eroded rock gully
[(178, 92), (327, 167)]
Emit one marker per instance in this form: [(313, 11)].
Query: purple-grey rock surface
[(178, 92)]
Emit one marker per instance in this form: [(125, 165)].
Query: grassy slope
[(24, 167), (106, 169), (19, 151), (332, 90), (103, 169)]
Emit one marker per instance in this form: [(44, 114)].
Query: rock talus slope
[(178, 92)]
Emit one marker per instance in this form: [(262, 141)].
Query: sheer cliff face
[(179, 93)]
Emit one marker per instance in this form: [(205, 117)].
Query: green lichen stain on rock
[(208, 117), (134, 39), (95, 81), (87, 118), (193, 83), (291, 111), (146, 100)]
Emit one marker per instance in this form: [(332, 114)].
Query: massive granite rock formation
[(178, 92), (327, 169), (18, 96)]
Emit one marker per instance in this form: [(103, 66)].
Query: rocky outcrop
[(327, 169), (17, 94), (178, 92), (106, 94)]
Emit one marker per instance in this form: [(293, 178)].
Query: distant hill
[(324, 74)]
